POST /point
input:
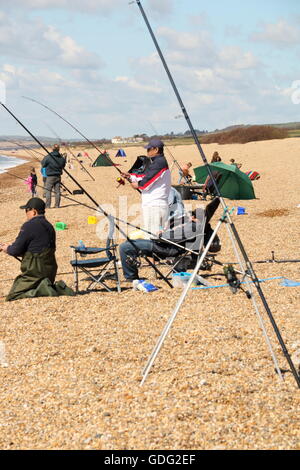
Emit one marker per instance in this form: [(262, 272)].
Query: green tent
[(233, 183), (103, 160)]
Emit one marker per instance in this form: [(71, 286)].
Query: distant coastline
[(10, 161)]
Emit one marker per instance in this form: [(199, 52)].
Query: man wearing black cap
[(155, 187), (53, 163), (35, 244)]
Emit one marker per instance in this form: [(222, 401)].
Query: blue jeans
[(131, 250)]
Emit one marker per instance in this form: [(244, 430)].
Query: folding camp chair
[(187, 259), (210, 188), (99, 270), (183, 259)]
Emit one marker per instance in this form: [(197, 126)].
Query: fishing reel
[(132, 261), (121, 181), (231, 278)]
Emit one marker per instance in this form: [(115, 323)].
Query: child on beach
[(31, 181)]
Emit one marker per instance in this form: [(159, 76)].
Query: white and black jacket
[(155, 184)]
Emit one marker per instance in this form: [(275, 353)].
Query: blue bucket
[(181, 279)]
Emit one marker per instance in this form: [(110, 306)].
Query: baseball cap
[(35, 203), (154, 143)]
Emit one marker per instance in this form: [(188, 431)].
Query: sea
[(7, 162)]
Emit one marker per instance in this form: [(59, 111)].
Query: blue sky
[(95, 63)]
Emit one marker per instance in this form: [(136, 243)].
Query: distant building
[(126, 140)]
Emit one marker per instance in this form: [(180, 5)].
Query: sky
[(95, 64)]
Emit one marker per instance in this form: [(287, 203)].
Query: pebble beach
[(71, 367)]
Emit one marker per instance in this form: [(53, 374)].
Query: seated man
[(208, 187), (35, 244), (188, 235), (232, 162)]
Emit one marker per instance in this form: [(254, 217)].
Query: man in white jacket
[(155, 185)]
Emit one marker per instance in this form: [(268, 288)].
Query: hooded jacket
[(54, 163)]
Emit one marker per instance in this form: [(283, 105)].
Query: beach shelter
[(120, 153), (233, 183), (103, 160)]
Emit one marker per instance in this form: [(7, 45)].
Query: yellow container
[(137, 235), (92, 220)]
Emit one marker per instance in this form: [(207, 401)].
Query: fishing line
[(71, 152), (80, 203), (104, 154)]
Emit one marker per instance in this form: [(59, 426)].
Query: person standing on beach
[(44, 175), (34, 182), (155, 185), (54, 164), (35, 244)]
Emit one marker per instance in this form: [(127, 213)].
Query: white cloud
[(219, 84), (70, 54), (236, 59), (105, 6), (39, 43), (161, 7), (134, 84), (281, 33), (186, 41), (157, 7)]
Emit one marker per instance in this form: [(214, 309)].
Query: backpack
[(215, 247)]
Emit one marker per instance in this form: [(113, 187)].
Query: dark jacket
[(54, 163), (157, 167), (35, 235), (36, 245), (33, 179)]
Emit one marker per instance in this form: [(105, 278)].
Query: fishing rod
[(47, 151), (272, 261), (24, 147), (109, 217), (71, 152), (234, 234), (30, 152), (104, 154), (106, 214), (80, 203)]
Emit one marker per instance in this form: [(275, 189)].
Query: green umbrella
[(232, 183)]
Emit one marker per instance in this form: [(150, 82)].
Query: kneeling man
[(35, 244)]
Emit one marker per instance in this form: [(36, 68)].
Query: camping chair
[(210, 188), (99, 270), (185, 259)]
